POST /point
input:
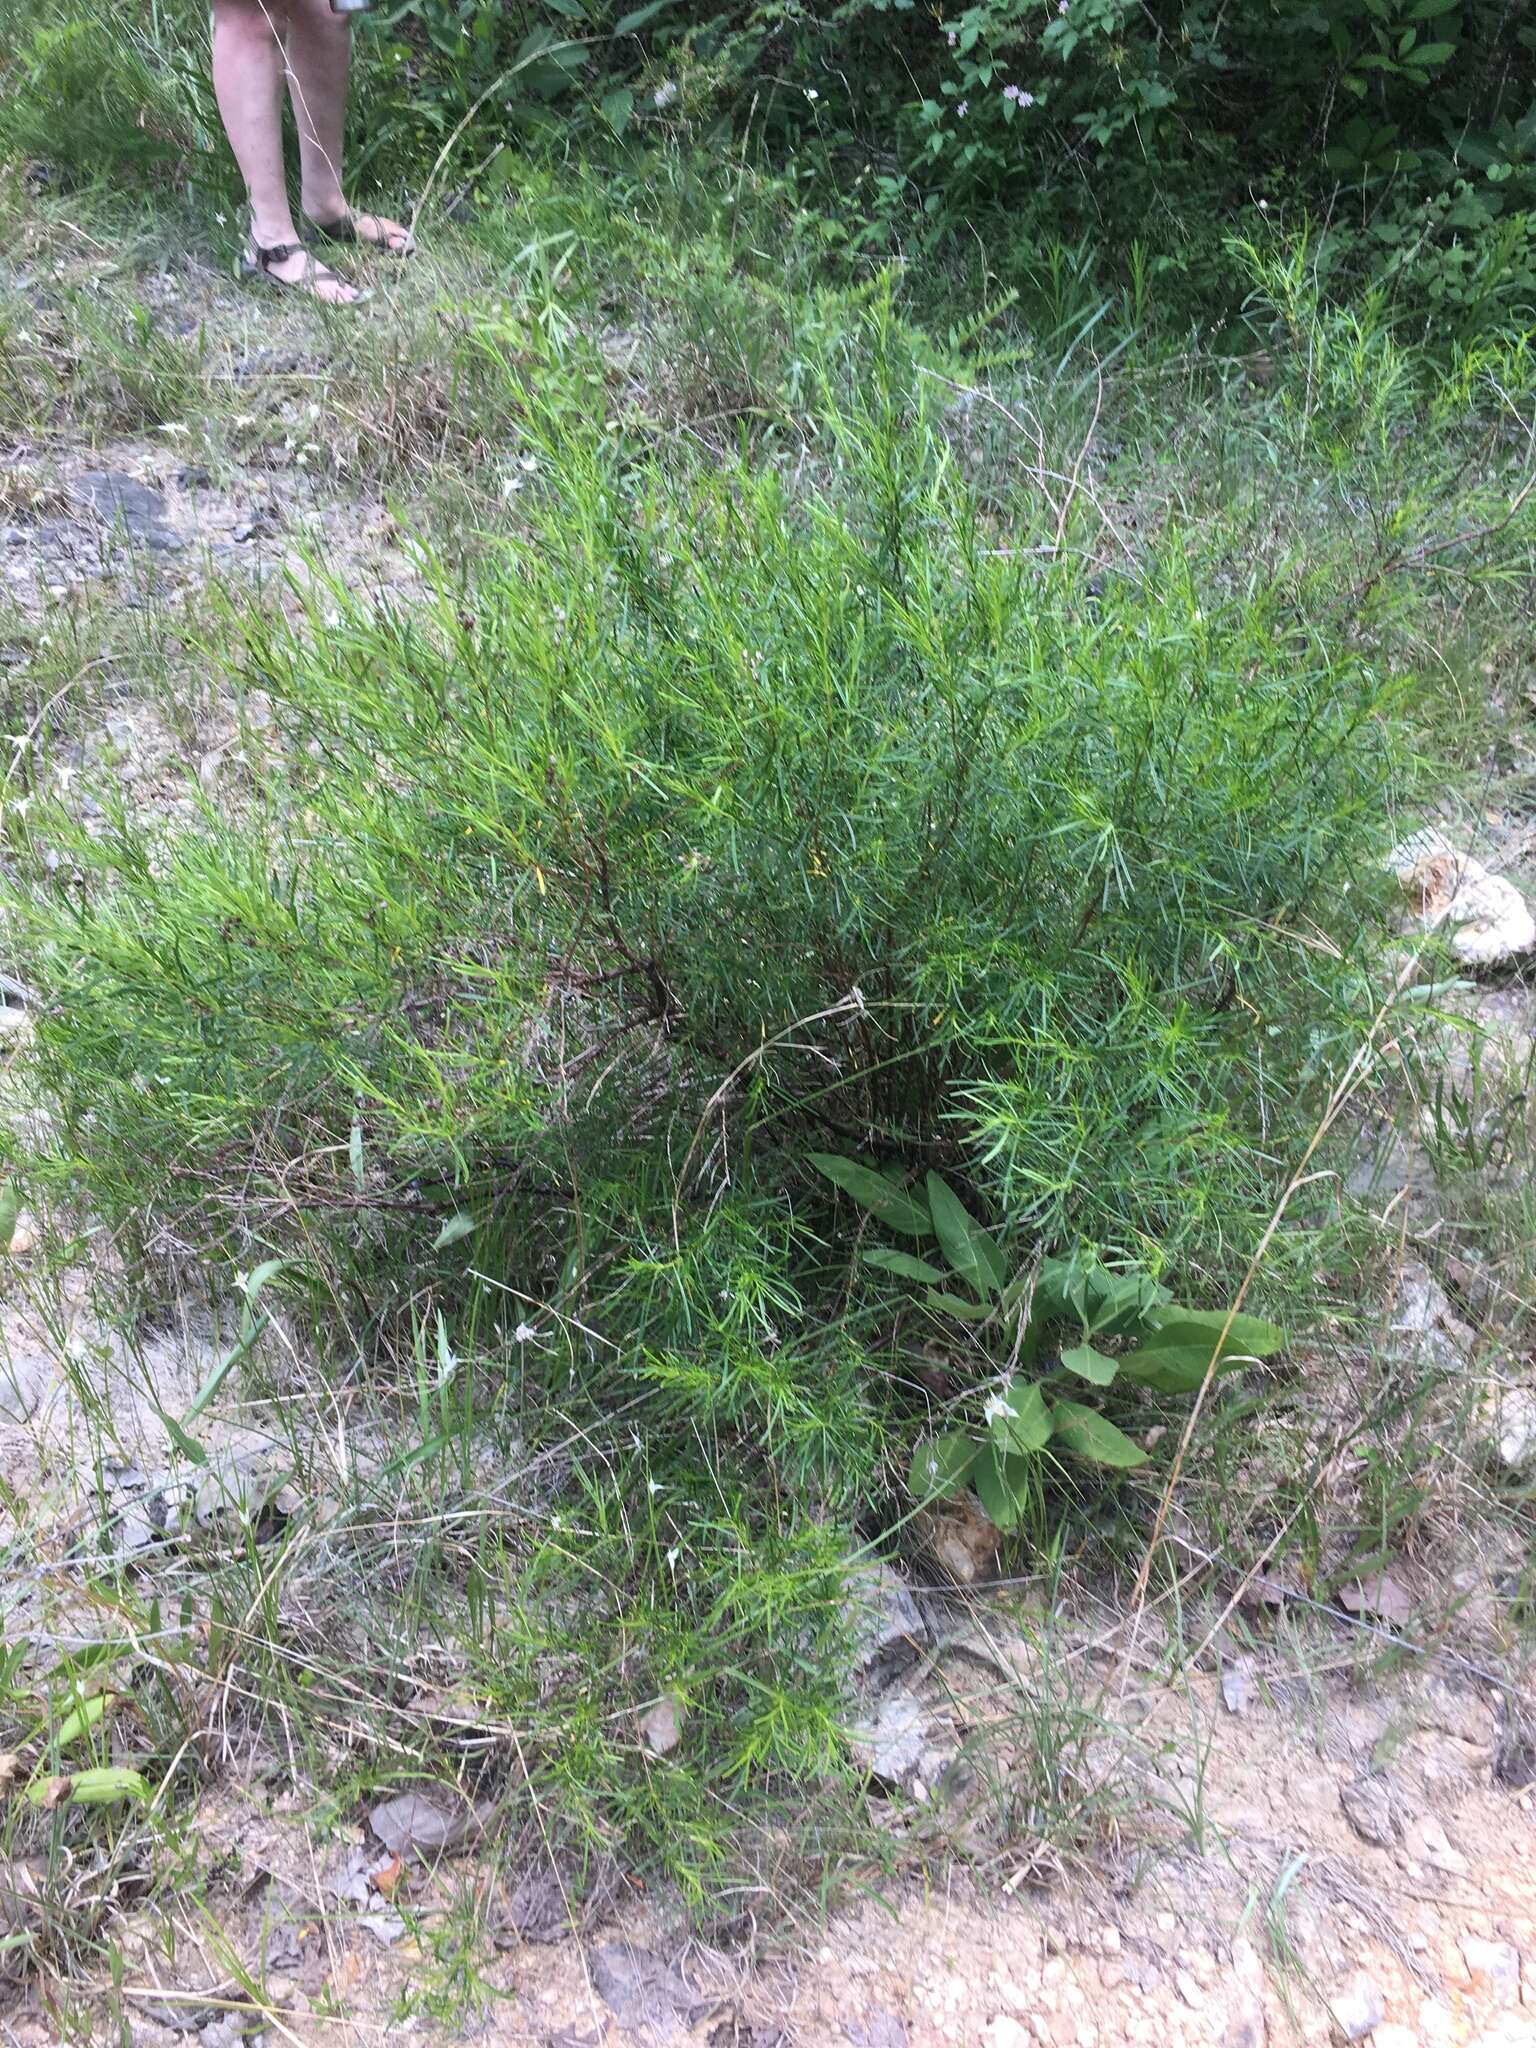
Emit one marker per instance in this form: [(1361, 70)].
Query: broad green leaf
[(100, 1787), (1088, 1434), (1118, 1303), (455, 1228), (83, 1718), (1019, 1420), (1249, 1336), (990, 1479), (967, 1246), (638, 17), (188, 1446), (893, 1206), (941, 1465), (1061, 1290), (904, 1263), (954, 1305), (1176, 1370), (1089, 1364), (618, 106)]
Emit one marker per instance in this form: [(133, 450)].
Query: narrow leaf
[(455, 1228)]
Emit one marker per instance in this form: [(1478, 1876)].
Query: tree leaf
[(1089, 1364), (1019, 1420), (941, 1465), (892, 1205), (904, 1263), (1088, 1434), (974, 1256)]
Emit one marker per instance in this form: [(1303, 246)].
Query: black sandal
[(258, 262), (344, 229)]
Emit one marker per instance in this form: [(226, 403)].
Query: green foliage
[(1141, 132), (689, 765), (1012, 1317), (94, 90)]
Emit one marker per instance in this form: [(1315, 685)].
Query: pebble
[(1494, 1967), (1246, 2028), (1367, 1806), (1358, 2009), (1007, 2032)]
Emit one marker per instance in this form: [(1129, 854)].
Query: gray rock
[(1358, 2009), (1369, 1809), (1510, 1414), (884, 1620), (893, 1742), (1425, 1329), (122, 501)]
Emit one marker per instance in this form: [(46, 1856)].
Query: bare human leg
[(248, 72), (319, 57)]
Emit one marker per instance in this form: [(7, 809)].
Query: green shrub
[(710, 823)]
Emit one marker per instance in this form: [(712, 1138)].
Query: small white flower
[(653, 1487), (672, 1556), (811, 93), (997, 1406), (524, 1334)]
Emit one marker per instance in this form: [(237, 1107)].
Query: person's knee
[(270, 17)]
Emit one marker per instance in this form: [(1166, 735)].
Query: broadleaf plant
[(1129, 1329)]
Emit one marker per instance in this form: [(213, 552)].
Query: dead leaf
[(1381, 1595), (10, 1768), (385, 1926), (661, 1726), (415, 1824), (55, 1793), (386, 1880)]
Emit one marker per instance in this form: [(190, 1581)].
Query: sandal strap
[(278, 253)]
